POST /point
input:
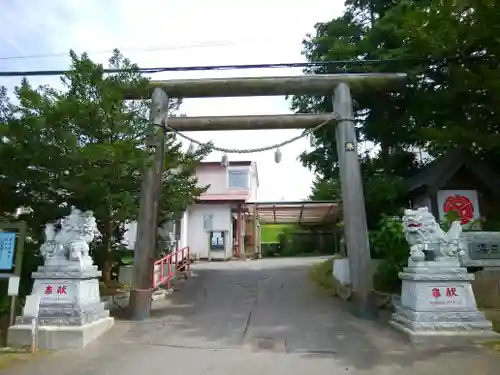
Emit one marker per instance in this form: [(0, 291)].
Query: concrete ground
[(256, 317)]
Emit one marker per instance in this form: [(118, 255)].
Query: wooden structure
[(304, 213), (252, 122), (456, 170), (340, 86), (147, 223), (271, 86)]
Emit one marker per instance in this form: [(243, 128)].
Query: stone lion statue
[(68, 240), (423, 233)]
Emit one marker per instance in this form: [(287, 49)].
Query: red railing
[(183, 264)]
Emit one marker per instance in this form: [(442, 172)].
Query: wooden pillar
[(147, 223), (434, 208), (254, 235), (238, 230), (353, 204)]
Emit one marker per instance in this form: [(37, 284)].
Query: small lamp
[(224, 161), (277, 156), (191, 149)]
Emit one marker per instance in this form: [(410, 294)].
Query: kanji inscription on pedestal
[(58, 292), (449, 296)]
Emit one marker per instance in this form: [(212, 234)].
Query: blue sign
[(7, 246)]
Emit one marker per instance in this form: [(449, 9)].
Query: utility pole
[(353, 203), (147, 223)]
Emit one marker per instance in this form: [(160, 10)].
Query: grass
[(495, 345), (112, 288), (269, 232), (321, 275), (10, 356)]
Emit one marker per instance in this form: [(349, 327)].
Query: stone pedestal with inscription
[(438, 306), (437, 301), (70, 313)]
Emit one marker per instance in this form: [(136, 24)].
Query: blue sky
[(180, 33)]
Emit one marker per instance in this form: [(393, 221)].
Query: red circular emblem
[(460, 204)]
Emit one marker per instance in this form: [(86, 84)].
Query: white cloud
[(218, 32)]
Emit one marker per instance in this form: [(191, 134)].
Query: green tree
[(84, 146), (449, 51), (454, 94)]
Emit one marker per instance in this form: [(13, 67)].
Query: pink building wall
[(216, 175)]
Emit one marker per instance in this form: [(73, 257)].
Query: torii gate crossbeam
[(353, 203)]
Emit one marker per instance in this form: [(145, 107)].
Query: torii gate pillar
[(353, 203), (147, 223)]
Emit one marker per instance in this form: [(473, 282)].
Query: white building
[(214, 226)]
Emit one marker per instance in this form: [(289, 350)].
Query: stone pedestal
[(71, 313), (341, 271), (438, 305)]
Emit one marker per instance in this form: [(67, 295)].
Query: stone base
[(69, 296), (59, 337), (438, 307), (341, 271), (451, 338), (67, 314)]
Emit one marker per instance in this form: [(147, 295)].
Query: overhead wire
[(193, 68), (159, 48), (313, 64)]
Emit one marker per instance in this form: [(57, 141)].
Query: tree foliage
[(83, 145), (450, 52)]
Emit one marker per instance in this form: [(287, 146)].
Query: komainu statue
[(423, 233), (67, 241)]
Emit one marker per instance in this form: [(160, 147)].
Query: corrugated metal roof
[(305, 212)]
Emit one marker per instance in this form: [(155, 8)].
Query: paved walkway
[(257, 317)]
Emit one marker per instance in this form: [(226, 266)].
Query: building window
[(207, 222), (238, 179)]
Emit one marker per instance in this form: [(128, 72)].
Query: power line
[(107, 51), (169, 69), (341, 63), (173, 47)]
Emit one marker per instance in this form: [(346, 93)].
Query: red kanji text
[(61, 289), (436, 292), (451, 292), (48, 289)]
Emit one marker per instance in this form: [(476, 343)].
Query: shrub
[(389, 244), (322, 274)]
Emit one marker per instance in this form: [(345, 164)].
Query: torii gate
[(353, 202)]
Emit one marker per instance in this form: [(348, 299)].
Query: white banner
[(465, 202)]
